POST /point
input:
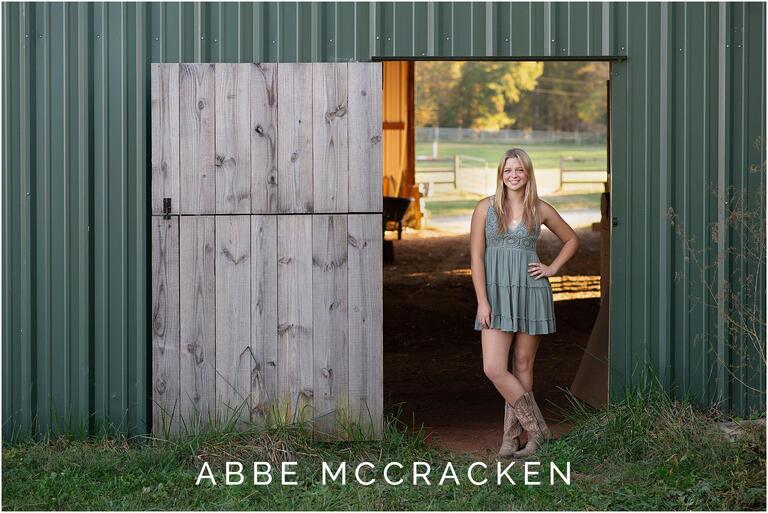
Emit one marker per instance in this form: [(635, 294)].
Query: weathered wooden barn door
[(267, 245)]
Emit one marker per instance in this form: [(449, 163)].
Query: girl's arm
[(477, 259), (552, 220)]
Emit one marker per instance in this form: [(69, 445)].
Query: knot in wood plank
[(196, 350), (232, 258), (357, 243)]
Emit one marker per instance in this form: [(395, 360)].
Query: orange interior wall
[(399, 141)]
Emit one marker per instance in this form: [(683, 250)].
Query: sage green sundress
[(519, 302)]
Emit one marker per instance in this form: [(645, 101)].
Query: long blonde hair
[(530, 196)]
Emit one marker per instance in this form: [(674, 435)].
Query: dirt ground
[(432, 355)]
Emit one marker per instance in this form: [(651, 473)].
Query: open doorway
[(445, 130)]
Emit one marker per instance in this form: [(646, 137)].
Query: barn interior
[(433, 372)]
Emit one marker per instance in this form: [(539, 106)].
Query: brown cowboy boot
[(529, 415), (512, 430)]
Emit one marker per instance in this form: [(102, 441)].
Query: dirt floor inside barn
[(432, 355)]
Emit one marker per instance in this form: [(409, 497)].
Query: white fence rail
[(458, 134), (477, 180), (457, 174), (474, 175)]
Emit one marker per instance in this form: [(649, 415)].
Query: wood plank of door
[(233, 319), (165, 325), (233, 140), (197, 299), (165, 136)]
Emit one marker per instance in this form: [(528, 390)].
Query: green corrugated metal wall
[(688, 106)]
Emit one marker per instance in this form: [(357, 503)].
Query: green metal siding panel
[(364, 29), (289, 49), (754, 47), (680, 183), (10, 37), (520, 27), (696, 62), (346, 37), (461, 32), (540, 29), (663, 75), (620, 354), (421, 28), (712, 153), (687, 109), (481, 31), (499, 28), (651, 185), (577, 28), (748, 33), (385, 24), (443, 23), (735, 143), (402, 36)]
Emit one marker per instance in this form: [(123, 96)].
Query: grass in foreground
[(646, 453)]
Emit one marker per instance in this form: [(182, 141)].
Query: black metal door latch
[(166, 208)]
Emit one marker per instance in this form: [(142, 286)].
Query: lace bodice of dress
[(518, 237)]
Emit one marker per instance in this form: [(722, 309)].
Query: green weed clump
[(647, 452), (659, 453)]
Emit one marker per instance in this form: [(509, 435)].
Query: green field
[(645, 453), (544, 156), (442, 206)]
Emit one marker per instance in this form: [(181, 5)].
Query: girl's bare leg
[(524, 354), (496, 344)]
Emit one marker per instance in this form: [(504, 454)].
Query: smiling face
[(514, 175)]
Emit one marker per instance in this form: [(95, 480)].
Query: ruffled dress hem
[(519, 324), (521, 307)]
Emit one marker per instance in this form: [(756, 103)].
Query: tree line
[(568, 96)]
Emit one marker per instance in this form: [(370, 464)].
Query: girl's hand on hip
[(484, 314), (537, 270)]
